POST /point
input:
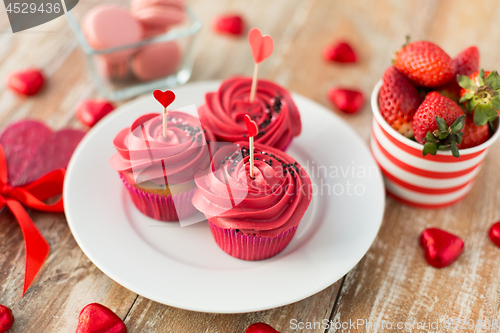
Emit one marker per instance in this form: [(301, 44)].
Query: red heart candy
[(96, 318), (252, 128), (494, 234), (260, 328), (164, 97), (441, 248), (339, 52), (262, 46), (6, 318), (346, 100), (89, 112), (27, 82), (228, 24)]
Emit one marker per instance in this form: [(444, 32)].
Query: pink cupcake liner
[(250, 247), (169, 208)]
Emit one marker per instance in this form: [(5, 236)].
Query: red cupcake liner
[(169, 208), (250, 247)]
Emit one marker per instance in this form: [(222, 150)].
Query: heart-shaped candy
[(164, 97), (260, 328), (27, 82), (339, 52), (346, 100), (441, 248), (96, 318), (494, 234), (33, 150), (229, 24), (262, 46), (252, 127), (6, 318), (89, 112)]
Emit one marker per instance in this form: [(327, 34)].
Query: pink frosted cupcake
[(159, 173), (253, 219), (273, 110)]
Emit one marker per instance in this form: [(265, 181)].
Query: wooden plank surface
[(392, 282)]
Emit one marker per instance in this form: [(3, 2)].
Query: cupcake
[(159, 173), (252, 219), (273, 110)]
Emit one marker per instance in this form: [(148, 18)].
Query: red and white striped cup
[(426, 182)]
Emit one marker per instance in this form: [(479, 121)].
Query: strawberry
[(425, 64), (466, 63), (339, 52), (229, 24), (398, 100), (474, 135), (438, 124), (481, 95)]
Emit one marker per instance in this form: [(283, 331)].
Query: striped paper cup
[(426, 182)]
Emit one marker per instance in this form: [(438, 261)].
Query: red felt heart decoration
[(164, 97), (339, 52), (96, 318), (33, 150), (27, 82), (89, 112), (260, 328), (262, 46), (228, 24), (494, 234), (346, 100), (441, 248), (252, 128), (6, 318)]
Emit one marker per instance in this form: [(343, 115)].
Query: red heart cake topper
[(441, 248), (252, 128), (164, 97), (262, 46)]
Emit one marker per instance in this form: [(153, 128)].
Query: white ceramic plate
[(183, 266)]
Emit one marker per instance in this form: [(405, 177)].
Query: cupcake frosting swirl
[(273, 110), (273, 202), (144, 153)]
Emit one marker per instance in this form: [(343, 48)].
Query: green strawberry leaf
[(454, 149), (466, 97), (430, 138), (443, 127), (458, 124), (465, 82), (492, 79), (480, 78), (470, 105), (429, 148), (495, 102), (480, 115), (459, 137)]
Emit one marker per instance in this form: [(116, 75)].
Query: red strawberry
[(398, 101), (438, 124), (474, 135), (481, 95), (339, 52), (27, 82), (466, 63), (6, 319), (260, 328), (346, 100), (425, 64), (228, 24)]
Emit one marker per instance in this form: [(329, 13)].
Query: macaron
[(157, 16), (156, 60), (109, 26), (113, 69)]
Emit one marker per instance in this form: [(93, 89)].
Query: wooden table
[(391, 283)]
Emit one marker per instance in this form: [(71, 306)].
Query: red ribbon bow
[(31, 195)]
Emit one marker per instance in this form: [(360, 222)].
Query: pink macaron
[(108, 26), (113, 69), (157, 60), (157, 16)]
